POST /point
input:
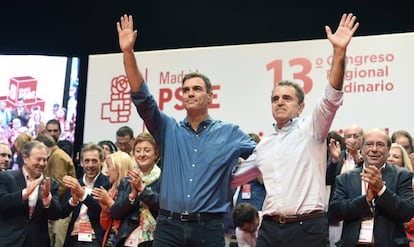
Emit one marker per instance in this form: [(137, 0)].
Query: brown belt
[(282, 219)]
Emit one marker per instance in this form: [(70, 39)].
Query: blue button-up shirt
[(196, 165)]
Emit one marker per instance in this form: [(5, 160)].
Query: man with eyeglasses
[(375, 199), (5, 157), (84, 228), (340, 162)]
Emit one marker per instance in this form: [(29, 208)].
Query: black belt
[(282, 219), (191, 217)]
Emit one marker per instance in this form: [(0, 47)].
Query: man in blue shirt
[(198, 154)]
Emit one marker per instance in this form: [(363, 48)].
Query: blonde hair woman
[(119, 163), (399, 157)]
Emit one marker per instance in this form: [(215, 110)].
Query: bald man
[(5, 156)]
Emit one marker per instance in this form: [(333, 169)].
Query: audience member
[(125, 139), (28, 199), (21, 112), (84, 227), (5, 116), (252, 192), (404, 138), (375, 199), (247, 220), (198, 155), (293, 160), (337, 139), (35, 123), (399, 157), (3, 136), (17, 158), (14, 131), (118, 165), (59, 165), (109, 148), (53, 127), (5, 157), (340, 162)]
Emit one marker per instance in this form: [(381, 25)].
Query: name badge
[(246, 191), (366, 234), (85, 232)]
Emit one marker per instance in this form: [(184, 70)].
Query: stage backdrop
[(378, 84)]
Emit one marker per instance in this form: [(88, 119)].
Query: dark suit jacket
[(394, 207), (94, 210), (16, 227)]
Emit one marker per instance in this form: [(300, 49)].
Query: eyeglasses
[(380, 145)]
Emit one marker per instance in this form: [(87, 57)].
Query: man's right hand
[(127, 35)]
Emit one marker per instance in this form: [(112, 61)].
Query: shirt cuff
[(72, 203), (47, 201), (382, 190), (84, 197)]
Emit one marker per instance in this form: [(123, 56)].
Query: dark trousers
[(73, 242), (310, 233), (171, 232)]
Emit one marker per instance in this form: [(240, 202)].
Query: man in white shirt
[(292, 161)]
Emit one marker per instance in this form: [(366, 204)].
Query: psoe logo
[(118, 109)]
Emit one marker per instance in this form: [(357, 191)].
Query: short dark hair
[(92, 147), (54, 121), (125, 131), (146, 136), (110, 144), (299, 90), (190, 75), (405, 133), (28, 146), (244, 213), (46, 139)]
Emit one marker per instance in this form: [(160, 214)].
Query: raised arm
[(127, 37), (340, 40)]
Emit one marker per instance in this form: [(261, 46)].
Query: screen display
[(35, 89)]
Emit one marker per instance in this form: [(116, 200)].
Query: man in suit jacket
[(374, 200), (84, 228), (28, 200), (341, 161)]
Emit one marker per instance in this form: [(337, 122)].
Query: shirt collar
[(287, 126)]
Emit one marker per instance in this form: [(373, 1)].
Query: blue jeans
[(172, 232)]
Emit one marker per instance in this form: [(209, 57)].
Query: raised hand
[(46, 187), (31, 187), (346, 29), (136, 182), (102, 195), (126, 34), (75, 188), (335, 150)]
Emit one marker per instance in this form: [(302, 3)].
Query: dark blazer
[(394, 207), (94, 209), (333, 170), (16, 227), (128, 213)]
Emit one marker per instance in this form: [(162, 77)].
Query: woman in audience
[(398, 156), (119, 163), (136, 203), (109, 147)]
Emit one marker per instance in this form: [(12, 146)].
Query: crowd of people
[(181, 182)]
